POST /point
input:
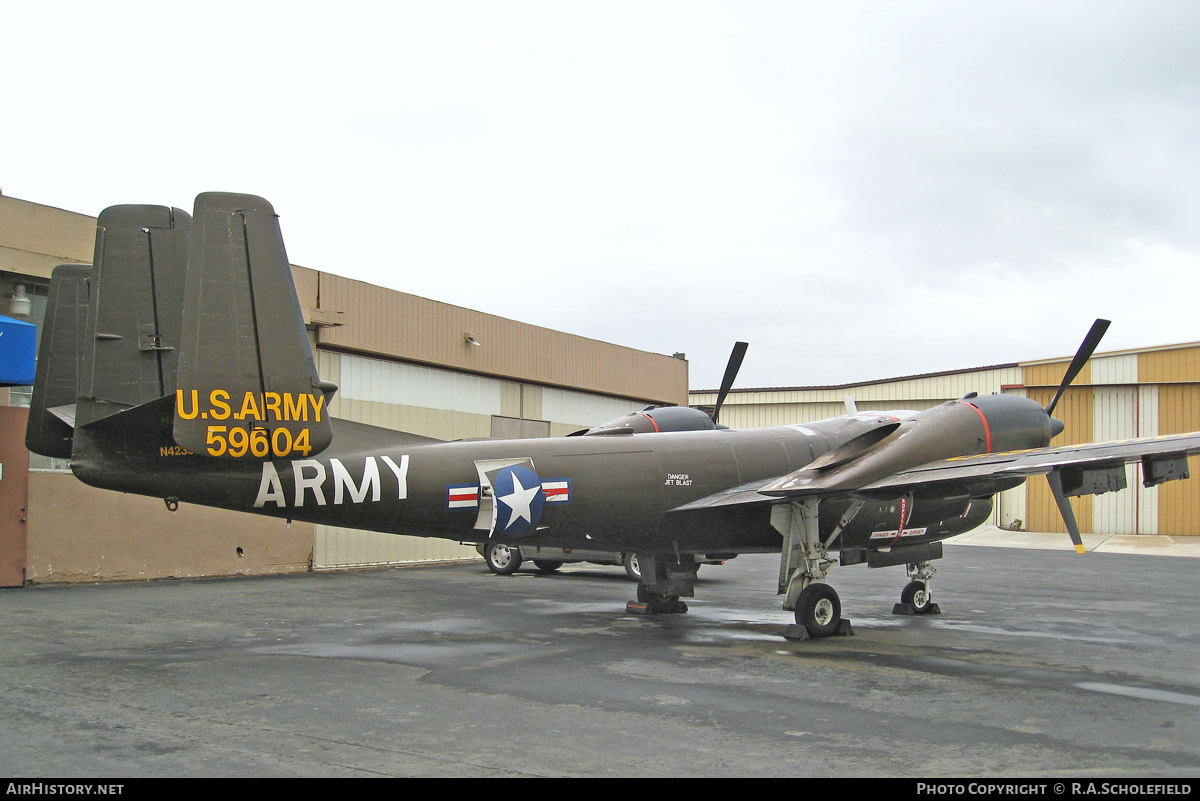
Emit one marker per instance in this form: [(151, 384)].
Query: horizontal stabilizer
[(65, 413), (248, 387)]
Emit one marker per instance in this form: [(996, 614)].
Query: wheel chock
[(907, 609), (650, 608), (794, 631)]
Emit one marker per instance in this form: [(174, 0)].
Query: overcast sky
[(859, 189)]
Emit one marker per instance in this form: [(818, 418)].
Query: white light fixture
[(19, 305), (471, 340)]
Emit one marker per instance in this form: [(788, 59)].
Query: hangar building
[(400, 361)]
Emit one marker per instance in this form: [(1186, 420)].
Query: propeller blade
[(731, 371), (1081, 357), (1064, 508)]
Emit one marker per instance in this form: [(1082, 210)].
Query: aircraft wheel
[(632, 568), (819, 610), (916, 594), (502, 559), (659, 604), (547, 566)]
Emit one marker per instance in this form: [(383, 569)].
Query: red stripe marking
[(986, 428), (903, 516), (651, 419)]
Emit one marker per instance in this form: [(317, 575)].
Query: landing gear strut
[(662, 584), (802, 569)]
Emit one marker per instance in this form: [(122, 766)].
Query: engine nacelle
[(656, 419), (967, 427)]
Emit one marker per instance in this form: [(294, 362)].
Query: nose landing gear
[(916, 598)]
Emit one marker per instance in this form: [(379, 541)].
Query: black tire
[(633, 568), (546, 565), (658, 604), (916, 594), (503, 560), (819, 610)]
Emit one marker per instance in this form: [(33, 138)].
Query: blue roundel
[(519, 499)]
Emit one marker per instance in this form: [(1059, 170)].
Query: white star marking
[(519, 502)]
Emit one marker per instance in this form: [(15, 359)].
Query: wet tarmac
[(1043, 664)]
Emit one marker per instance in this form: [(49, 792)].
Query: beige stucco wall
[(78, 534), (34, 239)]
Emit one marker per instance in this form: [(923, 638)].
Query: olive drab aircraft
[(177, 365)]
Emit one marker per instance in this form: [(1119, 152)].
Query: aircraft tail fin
[(111, 330), (56, 381), (203, 310), (129, 350), (248, 387)]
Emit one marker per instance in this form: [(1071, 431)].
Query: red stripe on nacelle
[(651, 419), (986, 428)]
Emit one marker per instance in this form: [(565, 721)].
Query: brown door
[(14, 495)]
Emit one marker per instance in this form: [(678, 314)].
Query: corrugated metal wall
[(1178, 412), (577, 410), (1140, 393)]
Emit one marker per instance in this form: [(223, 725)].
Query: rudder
[(135, 306), (56, 382), (248, 387)]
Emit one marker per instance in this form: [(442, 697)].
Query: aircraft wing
[(1164, 459), (1152, 451)]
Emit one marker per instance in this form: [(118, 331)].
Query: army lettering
[(256, 410), (259, 407), (314, 477)]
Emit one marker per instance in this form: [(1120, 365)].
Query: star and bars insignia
[(466, 496)]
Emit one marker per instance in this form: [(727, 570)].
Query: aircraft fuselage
[(573, 492)]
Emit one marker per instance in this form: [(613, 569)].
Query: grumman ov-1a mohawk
[(178, 366)]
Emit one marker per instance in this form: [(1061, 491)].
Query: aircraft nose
[(1056, 427)]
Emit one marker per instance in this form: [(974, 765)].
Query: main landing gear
[(803, 565), (662, 584), (819, 612), (805, 562)]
